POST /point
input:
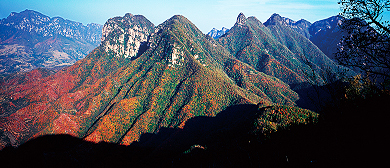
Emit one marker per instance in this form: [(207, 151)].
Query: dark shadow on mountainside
[(337, 140), (316, 98)]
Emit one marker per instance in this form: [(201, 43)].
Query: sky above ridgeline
[(205, 14)]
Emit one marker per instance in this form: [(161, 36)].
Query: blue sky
[(205, 14)]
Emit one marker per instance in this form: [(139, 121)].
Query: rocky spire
[(241, 19)]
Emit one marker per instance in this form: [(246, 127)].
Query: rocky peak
[(241, 19), (123, 36), (215, 33)]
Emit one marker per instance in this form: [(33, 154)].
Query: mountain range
[(325, 34), (29, 40), (172, 89), (140, 79), (276, 50)]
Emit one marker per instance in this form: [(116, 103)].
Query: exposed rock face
[(132, 34), (29, 40), (241, 19)]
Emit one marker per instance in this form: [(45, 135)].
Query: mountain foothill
[(167, 93)]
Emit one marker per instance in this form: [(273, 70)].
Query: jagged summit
[(123, 36), (241, 19), (215, 33)]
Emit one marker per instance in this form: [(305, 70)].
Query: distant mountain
[(29, 40), (140, 79), (326, 34), (301, 26), (215, 33)]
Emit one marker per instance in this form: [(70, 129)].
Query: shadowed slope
[(327, 34)]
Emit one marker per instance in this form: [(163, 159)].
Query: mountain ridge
[(263, 47), (29, 40), (325, 34), (36, 22)]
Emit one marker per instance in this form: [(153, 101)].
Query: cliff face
[(29, 40), (132, 31)]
